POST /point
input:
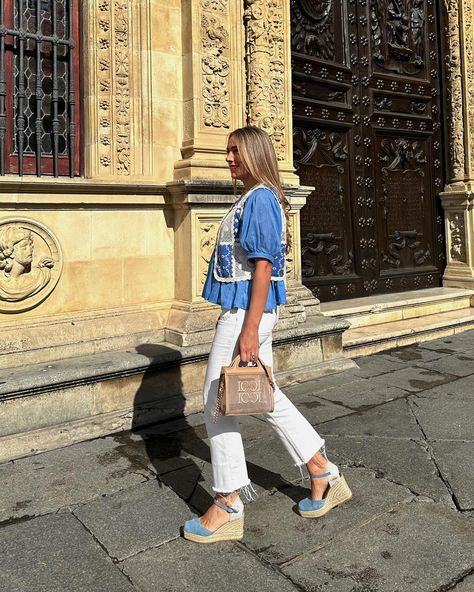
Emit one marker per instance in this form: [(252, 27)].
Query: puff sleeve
[(260, 232)]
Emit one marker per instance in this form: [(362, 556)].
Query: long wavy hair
[(258, 157)]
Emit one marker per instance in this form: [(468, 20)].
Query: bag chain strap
[(220, 395)]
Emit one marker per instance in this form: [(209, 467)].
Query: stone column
[(268, 59), (213, 57), (116, 89), (458, 196)]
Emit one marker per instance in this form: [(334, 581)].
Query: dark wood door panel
[(367, 127)]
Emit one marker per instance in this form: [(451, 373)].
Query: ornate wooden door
[(366, 109)]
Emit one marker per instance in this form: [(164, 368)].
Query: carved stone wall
[(458, 199), (116, 90), (212, 85), (30, 264), (267, 56)]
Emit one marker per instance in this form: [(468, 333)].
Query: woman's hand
[(249, 344)]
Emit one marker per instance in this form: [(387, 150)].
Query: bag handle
[(259, 362)]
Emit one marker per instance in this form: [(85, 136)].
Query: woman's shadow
[(176, 444)]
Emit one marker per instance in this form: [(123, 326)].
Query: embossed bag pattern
[(247, 390)]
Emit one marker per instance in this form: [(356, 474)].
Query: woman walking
[(246, 277)]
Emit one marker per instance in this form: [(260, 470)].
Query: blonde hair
[(259, 159)]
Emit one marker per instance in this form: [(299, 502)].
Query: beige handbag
[(245, 390)]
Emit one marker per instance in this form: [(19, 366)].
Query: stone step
[(389, 308), (363, 341), (57, 403)]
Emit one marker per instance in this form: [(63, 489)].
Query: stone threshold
[(367, 340), (395, 301)]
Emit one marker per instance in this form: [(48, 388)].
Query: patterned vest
[(230, 260)]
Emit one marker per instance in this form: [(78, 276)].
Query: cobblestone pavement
[(104, 515)]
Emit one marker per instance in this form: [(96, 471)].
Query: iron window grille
[(39, 84)]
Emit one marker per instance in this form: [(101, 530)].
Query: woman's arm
[(248, 341)]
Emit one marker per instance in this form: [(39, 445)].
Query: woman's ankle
[(317, 464)]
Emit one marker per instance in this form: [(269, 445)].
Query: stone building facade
[(102, 326)]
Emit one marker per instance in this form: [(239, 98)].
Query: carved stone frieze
[(207, 240), (265, 56), (30, 264), (113, 96), (122, 88), (457, 233), (215, 65), (454, 91)]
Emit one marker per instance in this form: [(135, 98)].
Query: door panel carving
[(366, 108)]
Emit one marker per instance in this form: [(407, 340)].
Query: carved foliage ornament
[(312, 28), (454, 90), (215, 64), (457, 233), (207, 241), (265, 57), (113, 68), (30, 264)]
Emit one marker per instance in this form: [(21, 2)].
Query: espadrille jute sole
[(337, 494), (231, 531)]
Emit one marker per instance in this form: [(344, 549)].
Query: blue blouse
[(260, 234)]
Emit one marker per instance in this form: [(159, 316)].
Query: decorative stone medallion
[(30, 264)]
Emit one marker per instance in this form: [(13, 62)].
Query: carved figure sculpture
[(19, 279)]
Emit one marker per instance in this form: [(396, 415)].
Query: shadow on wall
[(178, 449)]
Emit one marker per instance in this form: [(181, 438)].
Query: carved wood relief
[(368, 77)]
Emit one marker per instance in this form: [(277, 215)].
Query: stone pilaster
[(268, 61), (458, 197), (213, 66), (116, 89)]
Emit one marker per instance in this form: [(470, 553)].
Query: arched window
[(39, 87)]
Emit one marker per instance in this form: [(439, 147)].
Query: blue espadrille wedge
[(338, 492), (230, 531)]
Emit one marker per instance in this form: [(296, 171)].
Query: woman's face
[(236, 167)]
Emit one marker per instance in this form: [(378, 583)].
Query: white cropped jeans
[(227, 451)]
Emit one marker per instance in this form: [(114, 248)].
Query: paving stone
[(398, 551), (402, 461), (183, 566), (60, 478), (460, 342), (413, 379), (412, 354), (135, 519), (55, 553), (456, 463), (393, 419), (457, 389), (317, 409), (314, 387), (440, 419), (361, 393), (276, 532), (459, 364), (376, 365), (467, 585)]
